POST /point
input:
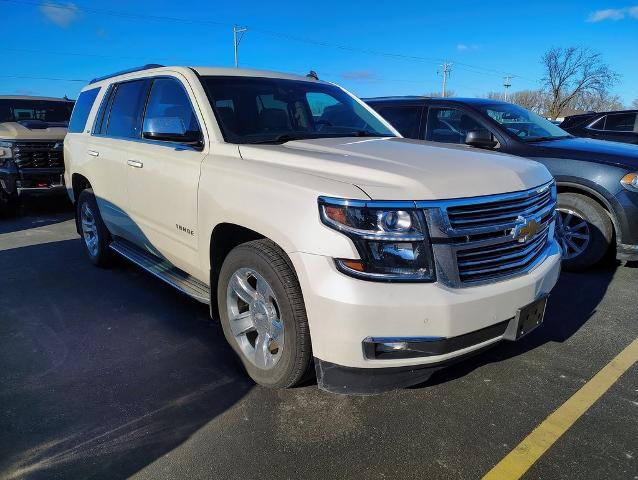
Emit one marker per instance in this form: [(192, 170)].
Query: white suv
[(317, 234)]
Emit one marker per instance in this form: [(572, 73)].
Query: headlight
[(630, 182), (5, 150), (392, 242)]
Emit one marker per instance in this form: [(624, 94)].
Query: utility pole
[(507, 83), (238, 34), (445, 70)]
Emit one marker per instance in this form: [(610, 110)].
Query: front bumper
[(343, 312), (626, 213), (32, 181)]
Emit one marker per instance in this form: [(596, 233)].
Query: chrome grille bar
[(479, 240)]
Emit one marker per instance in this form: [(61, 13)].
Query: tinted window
[(126, 111), (621, 122), (101, 119), (254, 110), (405, 119), (169, 104), (81, 110), (526, 125), (50, 111), (449, 125)]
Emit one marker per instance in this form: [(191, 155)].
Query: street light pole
[(238, 34)]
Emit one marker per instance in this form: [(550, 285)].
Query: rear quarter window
[(82, 109)]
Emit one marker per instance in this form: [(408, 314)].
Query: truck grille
[(494, 237), (37, 155)]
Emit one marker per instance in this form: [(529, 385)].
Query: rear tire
[(95, 236), (263, 314), (584, 231)]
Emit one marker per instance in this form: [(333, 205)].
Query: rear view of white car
[(318, 235)]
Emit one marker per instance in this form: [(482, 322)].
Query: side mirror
[(481, 138), (169, 129)]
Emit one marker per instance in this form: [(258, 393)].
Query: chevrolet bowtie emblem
[(525, 229)]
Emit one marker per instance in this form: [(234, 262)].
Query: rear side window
[(82, 109), (169, 103), (125, 117), (405, 119), (620, 122)]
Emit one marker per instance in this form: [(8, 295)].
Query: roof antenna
[(312, 75)]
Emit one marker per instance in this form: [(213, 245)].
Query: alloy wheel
[(89, 229), (254, 318), (572, 233)]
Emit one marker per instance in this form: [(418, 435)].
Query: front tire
[(95, 236), (584, 231), (263, 314)]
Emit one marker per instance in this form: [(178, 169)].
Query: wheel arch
[(79, 183), (224, 237), (568, 187)]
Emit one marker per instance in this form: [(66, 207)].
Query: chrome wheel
[(254, 318), (89, 229), (572, 232)]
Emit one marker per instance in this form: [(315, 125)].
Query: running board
[(164, 270)]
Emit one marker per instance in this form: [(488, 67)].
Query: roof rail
[(128, 70)]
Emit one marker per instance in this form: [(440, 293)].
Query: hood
[(21, 131), (589, 149), (403, 169)]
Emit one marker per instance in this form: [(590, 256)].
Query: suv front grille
[(490, 238), (37, 155)]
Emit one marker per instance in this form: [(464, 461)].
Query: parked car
[(31, 133), (310, 227), (618, 126), (597, 181)]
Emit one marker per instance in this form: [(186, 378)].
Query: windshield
[(274, 110), (524, 124), (50, 111)]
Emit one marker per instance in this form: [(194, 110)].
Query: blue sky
[(351, 43)]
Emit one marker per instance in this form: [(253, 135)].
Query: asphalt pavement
[(108, 374)]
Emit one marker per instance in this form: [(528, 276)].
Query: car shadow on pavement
[(37, 212), (572, 302), (102, 371)]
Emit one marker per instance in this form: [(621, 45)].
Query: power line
[(31, 77), (470, 68)]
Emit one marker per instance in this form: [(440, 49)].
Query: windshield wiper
[(279, 139), (543, 139)]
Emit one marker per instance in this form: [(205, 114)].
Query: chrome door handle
[(135, 163), (93, 153)]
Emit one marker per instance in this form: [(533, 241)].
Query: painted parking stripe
[(519, 460)]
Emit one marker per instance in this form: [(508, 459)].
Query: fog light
[(391, 347)]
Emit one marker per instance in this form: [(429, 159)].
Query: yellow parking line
[(519, 460)]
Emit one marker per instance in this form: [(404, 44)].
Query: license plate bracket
[(527, 318)]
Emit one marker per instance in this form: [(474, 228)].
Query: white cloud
[(62, 14), (614, 14), (464, 47)]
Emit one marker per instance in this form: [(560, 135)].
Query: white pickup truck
[(318, 235)]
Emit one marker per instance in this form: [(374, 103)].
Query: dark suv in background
[(32, 131), (619, 126), (597, 180)]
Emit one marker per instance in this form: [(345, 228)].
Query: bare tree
[(534, 100), (574, 71), (595, 102), (437, 94)]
